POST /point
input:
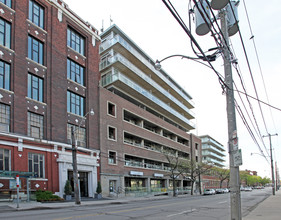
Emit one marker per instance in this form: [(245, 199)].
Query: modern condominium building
[(144, 116), (212, 151)]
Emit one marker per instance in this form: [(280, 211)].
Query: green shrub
[(67, 188), (99, 190), (42, 196)]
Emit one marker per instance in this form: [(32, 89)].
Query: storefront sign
[(135, 173), (158, 175)]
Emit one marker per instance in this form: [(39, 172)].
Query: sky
[(153, 28)]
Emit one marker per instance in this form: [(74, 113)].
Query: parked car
[(209, 192), (226, 190), (248, 189), (219, 191)]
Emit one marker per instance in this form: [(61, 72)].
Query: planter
[(98, 196), (68, 197)]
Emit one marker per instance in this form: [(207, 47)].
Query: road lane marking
[(180, 213), (222, 202)]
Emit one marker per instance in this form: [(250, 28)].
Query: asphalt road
[(189, 207)]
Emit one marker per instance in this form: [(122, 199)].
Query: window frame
[(35, 46), (76, 41), (77, 107), (80, 134), (114, 137), (41, 162), (7, 2), (33, 16), (5, 39), (75, 72), (36, 123), (3, 159), (112, 106), (114, 158), (35, 89), (5, 117), (5, 75)]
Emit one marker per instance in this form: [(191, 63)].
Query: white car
[(209, 192)]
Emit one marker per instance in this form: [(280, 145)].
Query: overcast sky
[(152, 27)]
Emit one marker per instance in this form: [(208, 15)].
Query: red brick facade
[(57, 19)]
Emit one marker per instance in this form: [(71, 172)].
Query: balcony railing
[(118, 39), (118, 57), (116, 75)]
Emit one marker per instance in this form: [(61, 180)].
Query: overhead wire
[(187, 31), (249, 67), (258, 60)]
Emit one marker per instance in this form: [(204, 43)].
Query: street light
[(74, 159), (158, 66)]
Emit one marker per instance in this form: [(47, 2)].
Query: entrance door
[(83, 178)]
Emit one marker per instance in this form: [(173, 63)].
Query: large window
[(36, 164), (5, 70), (75, 72), (35, 50), (75, 41), (35, 125), (5, 162), (36, 14), (75, 103), (7, 2), (112, 157), (79, 133), (5, 33), (4, 117), (35, 88)]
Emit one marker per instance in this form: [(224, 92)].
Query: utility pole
[(235, 199), (271, 162), (75, 171)]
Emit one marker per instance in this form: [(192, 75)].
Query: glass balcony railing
[(210, 160), (115, 75), (118, 57), (118, 39), (212, 149), (214, 143), (214, 155)]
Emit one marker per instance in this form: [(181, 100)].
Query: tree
[(175, 166), (196, 170), (221, 174)]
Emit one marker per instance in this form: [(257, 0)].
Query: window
[(5, 156), (4, 117), (7, 2), (35, 125), (75, 72), (5, 33), (75, 41), (5, 70), (35, 50), (196, 146), (112, 157), (111, 133), (111, 109), (36, 164), (35, 88), (75, 103), (80, 135), (36, 14)]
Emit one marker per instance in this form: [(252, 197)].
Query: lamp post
[(74, 160)]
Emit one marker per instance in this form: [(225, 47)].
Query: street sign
[(237, 158)]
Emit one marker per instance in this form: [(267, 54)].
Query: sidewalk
[(269, 209), (9, 206)]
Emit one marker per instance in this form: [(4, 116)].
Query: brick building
[(144, 115), (48, 82)]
